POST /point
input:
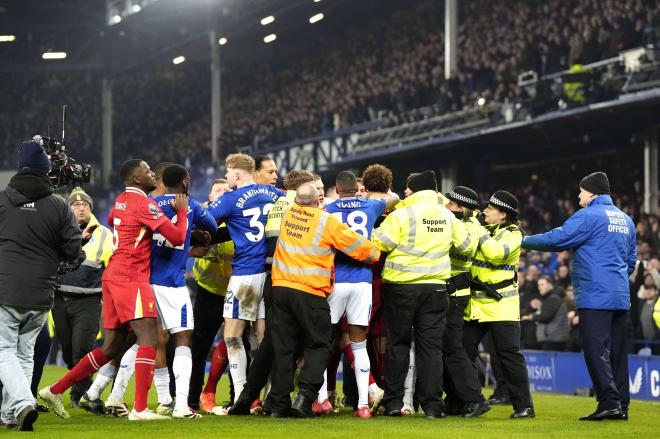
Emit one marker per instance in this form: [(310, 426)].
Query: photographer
[(77, 308), (37, 231)]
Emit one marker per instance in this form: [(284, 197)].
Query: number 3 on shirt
[(256, 213), (356, 221)]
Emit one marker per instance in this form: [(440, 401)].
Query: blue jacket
[(602, 239)]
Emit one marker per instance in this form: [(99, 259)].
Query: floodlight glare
[(53, 55), (267, 20), (222, 41), (270, 38), (314, 18), (178, 59), (7, 38)]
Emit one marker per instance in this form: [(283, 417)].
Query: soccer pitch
[(556, 417)]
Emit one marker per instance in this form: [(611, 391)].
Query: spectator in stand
[(552, 328), (649, 331)]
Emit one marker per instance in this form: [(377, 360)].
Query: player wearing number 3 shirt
[(245, 211)]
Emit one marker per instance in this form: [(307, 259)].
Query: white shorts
[(174, 308), (244, 300), (354, 299)]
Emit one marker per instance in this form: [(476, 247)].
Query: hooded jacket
[(37, 232)]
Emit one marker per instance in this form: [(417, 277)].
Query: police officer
[(494, 302), (303, 276), (461, 380), (77, 307), (602, 238), (418, 236)]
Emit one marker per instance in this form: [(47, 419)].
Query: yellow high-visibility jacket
[(213, 270), (418, 236), (496, 261), (462, 262)]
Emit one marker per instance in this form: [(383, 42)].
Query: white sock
[(126, 370), (182, 368), (162, 383), (409, 383), (362, 368), (237, 363), (323, 391), (103, 378), (373, 387)]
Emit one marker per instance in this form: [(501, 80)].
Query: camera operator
[(77, 308), (37, 231)]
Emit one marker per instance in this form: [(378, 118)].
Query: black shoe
[(523, 413), (392, 412), (267, 406), (92, 405), (301, 407), (436, 415), (476, 409), (600, 415), (241, 407), (41, 408), (279, 415), (26, 418), (499, 400)]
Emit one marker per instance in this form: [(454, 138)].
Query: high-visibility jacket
[(418, 236), (656, 313), (305, 254), (496, 261), (274, 222), (213, 270), (86, 279), (462, 262)]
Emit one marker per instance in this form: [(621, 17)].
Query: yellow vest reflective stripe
[(418, 236), (496, 261)]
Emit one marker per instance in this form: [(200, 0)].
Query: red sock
[(219, 361), (348, 351), (145, 363), (87, 365), (333, 365)]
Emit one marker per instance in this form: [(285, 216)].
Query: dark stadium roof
[(167, 28)]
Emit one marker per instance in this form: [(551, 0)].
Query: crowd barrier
[(566, 372)]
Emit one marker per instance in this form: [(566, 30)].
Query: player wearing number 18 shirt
[(352, 292), (245, 211)]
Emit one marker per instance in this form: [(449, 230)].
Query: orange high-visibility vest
[(305, 254)]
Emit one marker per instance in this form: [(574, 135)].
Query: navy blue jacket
[(602, 239)]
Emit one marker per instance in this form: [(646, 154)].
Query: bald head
[(307, 195)]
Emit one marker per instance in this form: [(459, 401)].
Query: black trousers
[(506, 338), (500, 389), (422, 306), (207, 313), (262, 363), (41, 350), (76, 326), (603, 336), (461, 380), (298, 318)]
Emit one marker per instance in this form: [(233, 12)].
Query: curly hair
[(377, 178)]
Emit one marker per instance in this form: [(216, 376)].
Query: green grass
[(556, 417)]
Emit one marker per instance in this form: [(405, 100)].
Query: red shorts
[(126, 301)]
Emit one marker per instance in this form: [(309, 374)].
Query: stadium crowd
[(390, 69)]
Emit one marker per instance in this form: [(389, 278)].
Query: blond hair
[(240, 161)]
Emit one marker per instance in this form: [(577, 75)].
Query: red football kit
[(127, 293)]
